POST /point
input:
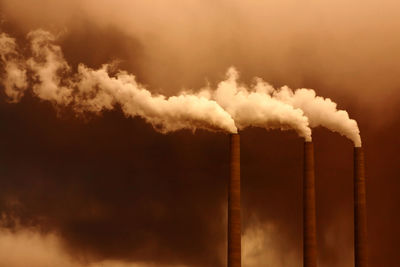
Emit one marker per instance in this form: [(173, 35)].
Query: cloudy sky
[(107, 190)]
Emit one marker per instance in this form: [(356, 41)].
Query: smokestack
[(234, 227), (309, 217), (360, 210)]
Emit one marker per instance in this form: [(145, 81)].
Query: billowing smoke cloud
[(96, 90), (14, 78), (321, 112), (90, 90), (255, 106), (262, 105)]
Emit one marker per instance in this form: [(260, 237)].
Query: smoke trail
[(91, 90), (255, 106), (321, 112), (14, 78)]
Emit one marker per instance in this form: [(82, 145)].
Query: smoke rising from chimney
[(91, 90), (230, 105), (254, 106), (321, 112)]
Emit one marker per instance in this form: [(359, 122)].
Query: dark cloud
[(113, 187)]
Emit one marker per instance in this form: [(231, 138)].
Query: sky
[(108, 190)]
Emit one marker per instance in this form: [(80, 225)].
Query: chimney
[(360, 210), (234, 227), (309, 217)]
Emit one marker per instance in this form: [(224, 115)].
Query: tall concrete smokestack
[(360, 210), (234, 226), (309, 217)]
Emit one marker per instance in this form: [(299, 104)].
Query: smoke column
[(255, 106), (309, 216), (360, 210), (321, 112), (91, 90), (234, 226)]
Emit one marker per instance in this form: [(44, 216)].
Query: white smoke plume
[(91, 90), (14, 78), (230, 105), (254, 106), (321, 112)]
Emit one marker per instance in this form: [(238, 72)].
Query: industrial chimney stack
[(360, 210), (309, 216), (234, 226)]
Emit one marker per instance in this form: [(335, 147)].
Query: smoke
[(91, 90), (321, 112), (49, 66), (263, 245), (95, 90), (14, 78), (261, 105), (27, 245), (255, 106), (229, 106)]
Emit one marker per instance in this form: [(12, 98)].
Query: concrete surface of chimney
[(234, 225), (360, 210), (309, 214)]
